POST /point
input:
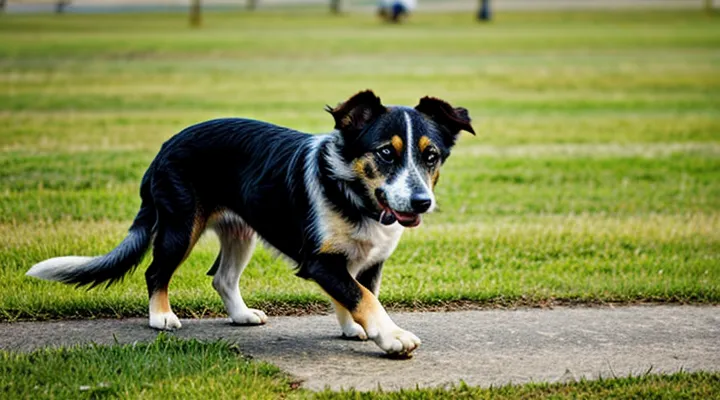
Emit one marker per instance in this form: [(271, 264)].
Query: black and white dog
[(335, 204)]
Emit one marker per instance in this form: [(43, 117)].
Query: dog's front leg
[(330, 272), (370, 278), (351, 330)]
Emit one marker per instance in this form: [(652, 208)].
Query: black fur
[(328, 271), (249, 167), (370, 278)]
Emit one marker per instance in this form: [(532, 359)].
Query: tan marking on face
[(435, 178), (159, 302), (373, 182), (359, 168), (397, 143), (423, 143)]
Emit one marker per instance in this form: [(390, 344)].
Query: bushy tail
[(108, 268)]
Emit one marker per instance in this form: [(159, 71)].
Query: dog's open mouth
[(388, 216)]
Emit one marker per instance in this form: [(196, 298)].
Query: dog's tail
[(109, 268)]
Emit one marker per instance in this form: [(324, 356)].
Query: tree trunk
[(3, 3), (195, 17), (335, 6)]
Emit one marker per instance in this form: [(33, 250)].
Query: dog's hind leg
[(179, 226), (237, 242), (172, 245)]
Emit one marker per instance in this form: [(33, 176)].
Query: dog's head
[(395, 153)]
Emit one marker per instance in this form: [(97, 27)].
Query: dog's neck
[(342, 190)]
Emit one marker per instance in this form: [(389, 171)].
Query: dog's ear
[(450, 120), (352, 116)]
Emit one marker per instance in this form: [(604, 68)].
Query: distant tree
[(251, 4), (484, 13), (195, 17), (708, 5), (335, 6), (3, 3)]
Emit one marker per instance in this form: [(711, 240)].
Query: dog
[(335, 205)]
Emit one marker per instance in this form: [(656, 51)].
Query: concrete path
[(480, 347)]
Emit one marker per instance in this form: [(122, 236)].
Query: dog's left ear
[(450, 120), (352, 116)]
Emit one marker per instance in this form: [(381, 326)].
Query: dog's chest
[(364, 245), (372, 245)]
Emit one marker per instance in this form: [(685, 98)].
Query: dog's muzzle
[(419, 203)]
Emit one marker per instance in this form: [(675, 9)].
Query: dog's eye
[(386, 154), (430, 158)]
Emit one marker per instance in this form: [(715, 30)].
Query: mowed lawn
[(594, 177)]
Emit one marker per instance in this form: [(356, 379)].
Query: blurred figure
[(395, 10), (484, 14)]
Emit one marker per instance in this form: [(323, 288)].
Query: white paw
[(165, 321), (354, 331), (249, 316), (398, 342)]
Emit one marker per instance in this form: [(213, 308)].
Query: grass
[(171, 367), (593, 177), (166, 367), (504, 262)]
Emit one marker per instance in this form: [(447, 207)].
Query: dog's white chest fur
[(371, 244), (364, 245)]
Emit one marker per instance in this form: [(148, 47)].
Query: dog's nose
[(420, 203)]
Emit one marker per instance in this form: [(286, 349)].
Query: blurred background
[(90, 6), (593, 176)]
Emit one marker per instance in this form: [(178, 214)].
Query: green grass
[(166, 367), (593, 178), (170, 368), (670, 387), (503, 262)]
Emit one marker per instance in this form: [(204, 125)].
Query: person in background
[(396, 10)]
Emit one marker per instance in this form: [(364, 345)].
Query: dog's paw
[(249, 316), (165, 321), (398, 342), (354, 332)]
